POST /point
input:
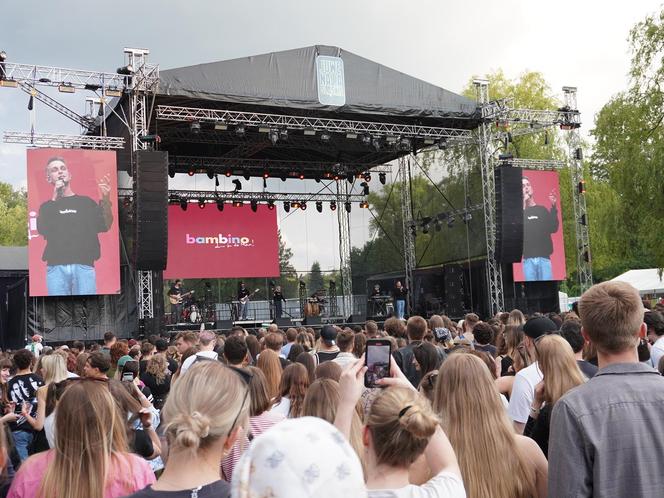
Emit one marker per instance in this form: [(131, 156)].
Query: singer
[(70, 223)]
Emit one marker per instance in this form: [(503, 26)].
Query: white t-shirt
[(523, 392), (444, 485), (281, 408), (656, 352), (35, 348), (190, 361)]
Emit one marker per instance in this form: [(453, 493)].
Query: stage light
[(191, 171), (113, 92), (348, 206), (44, 80), (367, 177), (442, 144), (578, 154), (319, 206), (220, 204), (171, 171), (201, 203), (382, 177), (325, 137), (364, 205), (283, 134), (295, 204), (365, 188), (282, 176), (126, 70), (301, 175), (195, 127), (317, 177), (183, 204), (328, 175), (586, 256), (92, 87), (31, 103), (391, 139), (263, 129), (450, 221), (270, 205), (238, 204), (309, 132), (582, 187), (216, 181), (246, 175), (8, 83), (337, 176), (66, 88), (238, 185), (429, 141), (333, 205), (3, 56), (274, 136), (376, 143), (583, 220), (286, 206), (210, 173), (437, 225), (351, 135), (467, 217), (425, 228), (126, 202), (303, 205), (240, 130), (228, 173), (405, 145), (366, 140), (254, 205)]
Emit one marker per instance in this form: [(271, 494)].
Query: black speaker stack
[(509, 214)]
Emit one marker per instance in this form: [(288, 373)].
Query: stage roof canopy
[(646, 281)]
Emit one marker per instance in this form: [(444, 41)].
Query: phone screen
[(378, 362)]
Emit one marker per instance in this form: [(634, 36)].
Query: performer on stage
[(177, 305), (538, 225), (243, 297), (373, 305), (376, 291), (278, 300), (70, 224), (400, 293)]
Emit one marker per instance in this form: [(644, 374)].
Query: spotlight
[(367, 177), (317, 177), (295, 204), (216, 181), (183, 204), (303, 205), (237, 203), (348, 206), (442, 144), (586, 256), (240, 130), (405, 145), (350, 177), (366, 140), (274, 136), (3, 56), (66, 88), (351, 135), (270, 205), (254, 205), (450, 221), (210, 173), (282, 176), (201, 203), (546, 137), (333, 205), (382, 177), (220, 126), (191, 171), (238, 185), (583, 220), (220, 204), (126, 70), (364, 205), (195, 127), (246, 175), (301, 175), (319, 206), (286, 206), (325, 137), (337, 176), (582, 187), (113, 92), (578, 154), (437, 225), (308, 132), (365, 188), (266, 174), (228, 173), (425, 228), (376, 143), (283, 134), (126, 202)]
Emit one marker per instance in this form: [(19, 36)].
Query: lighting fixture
[(283, 134), (246, 175), (183, 204), (92, 87), (286, 206), (586, 256), (274, 136), (221, 126), (364, 205), (201, 203), (113, 92), (44, 80), (350, 177), (425, 228), (366, 140), (220, 204), (195, 127), (216, 181), (3, 56), (367, 177), (282, 176), (337, 176), (171, 171), (31, 103), (8, 83), (351, 135), (582, 187), (348, 206), (429, 141), (263, 129), (391, 139), (266, 174), (240, 130), (66, 88), (333, 205), (365, 188), (328, 175), (405, 144), (583, 220), (210, 173), (303, 205), (578, 154), (126, 70), (237, 203), (301, 175), (228, 173), (467, 217), (325, 137), (295, 204), (309, 132), (442, 144), (317, 177), (238, 185), (546, 137), (376, 143), (254, 205), (450, 221), (270, 205), (191, 171), (319, 206), (382, 177)]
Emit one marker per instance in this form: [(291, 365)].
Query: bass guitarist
[(176, 294)]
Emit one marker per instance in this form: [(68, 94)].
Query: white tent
[(647, 282)]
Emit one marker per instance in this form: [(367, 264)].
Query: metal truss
[(494, 274), (144, 294), (189, 114), (408, 229), (64, 141), (428, 221), (584, 266), (261, 197), (84, 121), (57, 76), (344, 252), (539, 164)]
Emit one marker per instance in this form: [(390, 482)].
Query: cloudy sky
[(576, 43)]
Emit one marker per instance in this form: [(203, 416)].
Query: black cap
[(328, 334), (539, 326)]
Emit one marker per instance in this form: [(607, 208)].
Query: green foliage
[(13, 216), (315, 278)]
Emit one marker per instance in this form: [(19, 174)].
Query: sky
[(573, 43)]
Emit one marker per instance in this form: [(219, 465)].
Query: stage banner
[(73, 244), (234, 243), (543, 246)]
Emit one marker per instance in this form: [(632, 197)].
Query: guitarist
[(176, 292), (243, 297)]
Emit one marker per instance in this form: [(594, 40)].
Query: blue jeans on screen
[(537, 269), (71, 280), (22, 440), (401, 308)]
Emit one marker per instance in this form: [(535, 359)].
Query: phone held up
[(377, 359)]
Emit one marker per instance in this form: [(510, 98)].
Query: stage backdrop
[(234, 243), (543, 245), (73, 244)]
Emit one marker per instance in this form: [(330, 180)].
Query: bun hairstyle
[(197, 413), (401, 423)]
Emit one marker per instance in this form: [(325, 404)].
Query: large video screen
[(73, 244), (543, 246), (233, 243)]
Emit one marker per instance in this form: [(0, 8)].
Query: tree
[(13, 216), (315, 279)]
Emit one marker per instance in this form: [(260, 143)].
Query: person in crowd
[(416, 327), (304, 340), (523, 389), (291, 337), (561, 373), (235, 351), (516, 319), (295, 351), (570, 330), (269, 363), (147, 351), (329, 370), (96, 366), (206, 342), (441, 328), (359, 343), (512, 338), (35, 346), (309, 362), (427, 385), (399, 428), (426, 358), (293, 388), (483, 334), (184, 341), (469, 322), (482, 435), (622, 400), (118, 350), (275, 342), (157, 377), (22, 392), (161, 347), (345, 342), (371, 329), (655, 334), (327, 349), (393, 326), (90, 458), (254, 348), (109, 340), (400, 294), (81, 361), (201, 423)]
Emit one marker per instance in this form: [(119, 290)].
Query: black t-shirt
[(70, 226), (242, 293), (326, 356), (174, 291), (218, 489), (278, 296), (400, 293), (142, 444), (159, 390), (22, 388), (172, 365), (538, 225)]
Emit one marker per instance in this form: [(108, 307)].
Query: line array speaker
[(509, 215), (151, 204)]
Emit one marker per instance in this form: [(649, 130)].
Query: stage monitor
[(233, 243), (543, 246), (73, 244)]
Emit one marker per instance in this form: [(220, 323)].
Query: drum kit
[(197, 312)]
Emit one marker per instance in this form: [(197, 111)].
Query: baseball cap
[(124, 359), (539, 326), (329, 334)]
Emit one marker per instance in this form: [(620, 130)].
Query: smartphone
[(377, 357)]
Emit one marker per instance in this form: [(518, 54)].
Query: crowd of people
[(556, 405)]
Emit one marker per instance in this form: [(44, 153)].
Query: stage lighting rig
[(220, 204), (301, 175), (210, 173), (382, 177), (201, 203), (195, 127), (442, 144), (286, 206), (283, 134), (303, 205), (325, 137), (376, 142), (228, 173), (319, 206), (183, 204), (405, 145), (254, 205), (191, 171), (270, 205), (333, 205), (350, 177), (266, 174), (238, 185), (348, 206), (113, 92), (127, 70), (295, 204), (364, 205), (367, 177), (66, 88), (274, 136), (240, 130), (366, 140), (365, 188)]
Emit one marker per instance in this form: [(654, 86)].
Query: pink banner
[(234, 243)]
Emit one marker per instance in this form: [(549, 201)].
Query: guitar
[(246, 298), (177, 299)]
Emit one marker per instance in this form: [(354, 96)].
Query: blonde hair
[(611, 314), (158, 367), (480, 432), (198, 413), (53, 368), (401, 423), (89, 442), (515, 318), (559, 367), (269, 363)]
